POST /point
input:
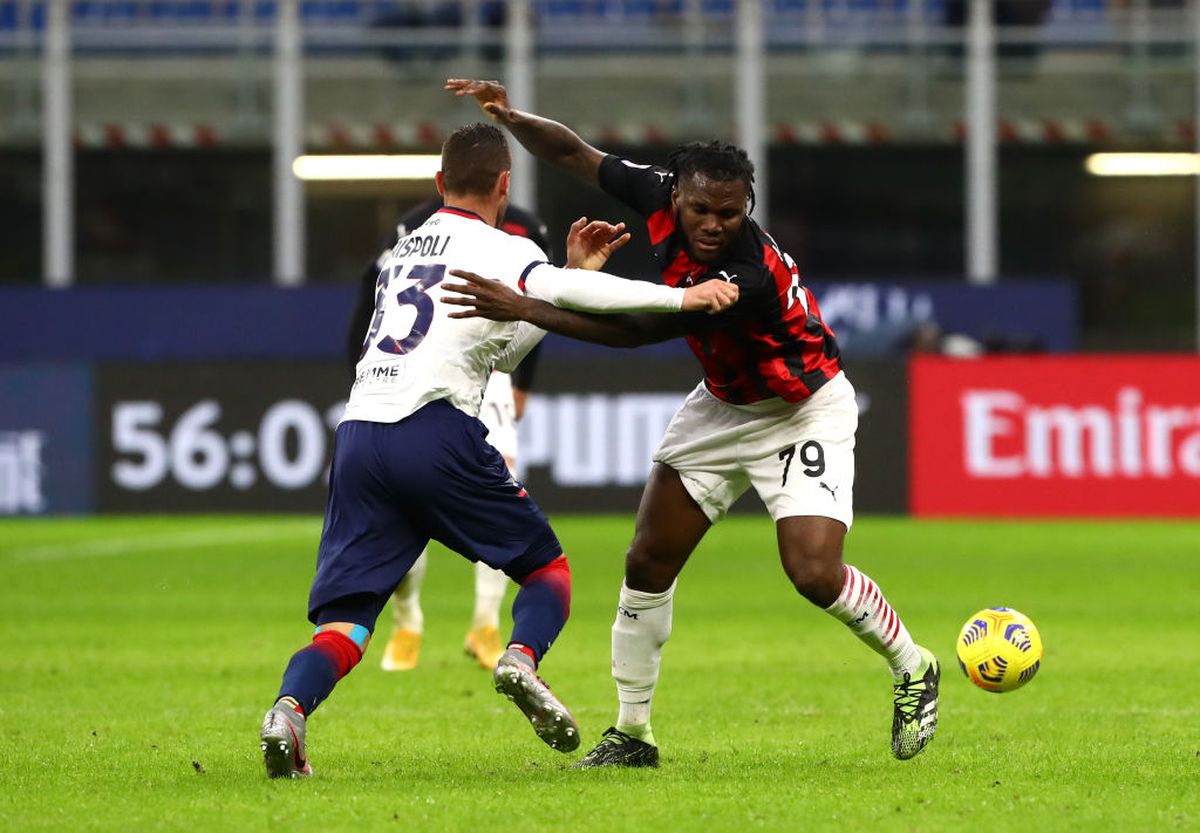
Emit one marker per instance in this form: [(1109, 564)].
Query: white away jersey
[(414, 352)]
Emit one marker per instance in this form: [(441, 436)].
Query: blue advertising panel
[(872, 319), (880, 318), (45, 439)]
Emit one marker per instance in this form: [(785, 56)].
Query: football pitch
[(139, 655)]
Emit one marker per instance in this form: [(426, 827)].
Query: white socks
[(406, 599), (489, 593), (490, 586), (642, 627), (862, 607)]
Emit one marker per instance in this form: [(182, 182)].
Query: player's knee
[(648, 568), (816, 578)]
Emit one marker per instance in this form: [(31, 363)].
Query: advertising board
[(45, 439), (1055, 436)]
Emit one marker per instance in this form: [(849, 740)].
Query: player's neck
[(486, 208)]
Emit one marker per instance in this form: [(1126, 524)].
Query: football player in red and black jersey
[(775, 411)]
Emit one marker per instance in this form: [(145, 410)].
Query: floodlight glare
[(367, 167), (1143, 164)]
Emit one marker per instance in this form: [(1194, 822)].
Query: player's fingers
[(619, 242), (470, 277), (465, 314), (578, 225), (721, 302), (468, 289), (458, 302)]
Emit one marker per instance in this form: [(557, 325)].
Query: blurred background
[(174, 297)]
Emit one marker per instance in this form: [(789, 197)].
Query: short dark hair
[(473, 157), (715, 160)]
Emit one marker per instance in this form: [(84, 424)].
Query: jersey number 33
[(425, 276)]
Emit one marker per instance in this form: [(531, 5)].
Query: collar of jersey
[(460, 212)]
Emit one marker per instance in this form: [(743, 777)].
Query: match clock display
[(241, 437)]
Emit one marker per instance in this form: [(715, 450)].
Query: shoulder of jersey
[(664, 175), (523, 247)]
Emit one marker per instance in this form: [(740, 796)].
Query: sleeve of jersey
[(587, 291), (528, 337), (644, 188)]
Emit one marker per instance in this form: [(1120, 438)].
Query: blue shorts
[(394, 486)]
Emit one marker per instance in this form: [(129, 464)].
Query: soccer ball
[(999, 649)]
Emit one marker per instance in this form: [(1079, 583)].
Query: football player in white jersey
[(499, 413), (410, 461)]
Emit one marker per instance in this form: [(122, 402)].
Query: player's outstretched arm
[(547, 140), (495, 301), (587, 291)]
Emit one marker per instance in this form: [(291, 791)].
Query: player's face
[(710, 214)]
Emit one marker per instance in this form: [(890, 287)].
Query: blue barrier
[(86, 324), (152, 323), (101, 14)]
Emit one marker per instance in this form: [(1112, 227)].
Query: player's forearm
[(556, 144), (588, 291), (621, 330)]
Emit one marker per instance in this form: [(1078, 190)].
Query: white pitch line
[(170, 541)]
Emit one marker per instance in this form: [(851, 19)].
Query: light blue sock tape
[(358, 634)]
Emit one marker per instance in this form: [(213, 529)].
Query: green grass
[(137, 657)]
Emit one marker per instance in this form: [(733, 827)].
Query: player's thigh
[(476, 508), (700, 446), (802, 463), (368, 542), (670, 523)]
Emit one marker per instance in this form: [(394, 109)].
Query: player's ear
[(674, 199), (440, 181), (503, 183)]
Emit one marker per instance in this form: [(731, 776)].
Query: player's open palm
[(710, 297), (491, 95), (591, 244)]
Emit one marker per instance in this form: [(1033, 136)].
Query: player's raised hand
[(491, 95), (486, 298), (710, 296), (591, 244)]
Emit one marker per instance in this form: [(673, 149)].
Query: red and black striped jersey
[(772, 342)]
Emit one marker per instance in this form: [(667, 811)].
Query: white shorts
[(798, 457), (498, 413)]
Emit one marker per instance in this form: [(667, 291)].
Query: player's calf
[(541, 607), (315, 669), (309, 678)]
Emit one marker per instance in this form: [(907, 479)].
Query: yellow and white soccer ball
[(999, 649)]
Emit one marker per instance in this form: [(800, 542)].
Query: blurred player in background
[(410, 462), (503, 405), (774, 412)]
